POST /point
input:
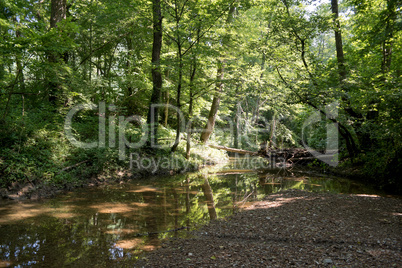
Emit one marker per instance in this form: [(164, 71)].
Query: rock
[(327, 261)]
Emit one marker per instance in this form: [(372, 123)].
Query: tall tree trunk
[(338, 41), (166, 99), (209, 127), (58, 13), (153, 112), (20, 69), (237, 127), (166, 112), (389, 30), (178, 103), (190, 109), (206, 133), (351, 146), (257, 108)]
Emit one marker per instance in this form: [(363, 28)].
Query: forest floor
[(294, 228)]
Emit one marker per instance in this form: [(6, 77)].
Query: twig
[(73, 166)]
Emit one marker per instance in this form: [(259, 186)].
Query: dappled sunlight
[(63, 215), (21, 211), (367, 195), (5, 264), (244, 205), (277, 202), (149, 247), (143, 189), (138, 204), (129, 244), (113, 208)]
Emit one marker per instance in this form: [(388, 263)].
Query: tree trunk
[(153, 112), (350, 144), (58, 13), (206, 133), (20, 69), (179, 84), (338, 41), (389, 30), (190, 109), (271, 135), (237, 127), (209, 128), (166, 114), (257, 108)]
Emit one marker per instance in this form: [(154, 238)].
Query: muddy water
[(113, 225)]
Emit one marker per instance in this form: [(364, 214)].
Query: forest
[(85, 84)]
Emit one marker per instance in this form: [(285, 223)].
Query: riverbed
[(115, 224)]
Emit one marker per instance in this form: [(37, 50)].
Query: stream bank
[(142, 165)]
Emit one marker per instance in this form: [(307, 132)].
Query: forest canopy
[(236, 73)]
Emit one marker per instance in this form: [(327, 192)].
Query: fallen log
[(290, 155), (233, 150)]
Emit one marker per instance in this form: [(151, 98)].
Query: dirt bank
[(295, 228), (35, 191)]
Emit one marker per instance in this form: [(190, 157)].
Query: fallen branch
[(73, 166)]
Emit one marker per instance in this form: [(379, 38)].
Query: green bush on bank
[(40, 153)]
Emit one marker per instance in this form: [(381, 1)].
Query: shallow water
[(113, 225)]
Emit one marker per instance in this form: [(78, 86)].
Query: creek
[(114, 224)]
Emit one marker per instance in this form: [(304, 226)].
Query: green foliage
[(280, 66)]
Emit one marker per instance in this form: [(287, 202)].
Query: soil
[(294, 229)]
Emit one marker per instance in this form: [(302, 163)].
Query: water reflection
[(206, 188), (112, 225)]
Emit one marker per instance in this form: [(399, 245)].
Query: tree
[(209, 127), (153, 112), (58, 14)]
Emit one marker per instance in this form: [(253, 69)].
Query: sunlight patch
[(145, 189), (366, 195), (128, 244), (112, 208)]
